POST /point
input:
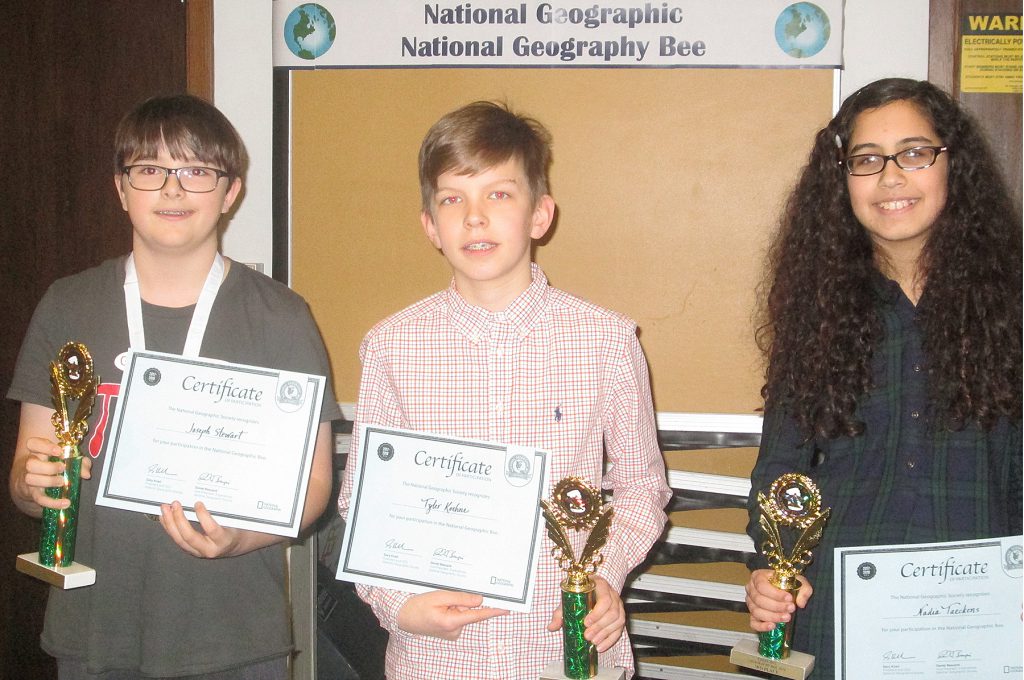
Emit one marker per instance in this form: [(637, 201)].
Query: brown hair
[(189, 127), (479, 136)]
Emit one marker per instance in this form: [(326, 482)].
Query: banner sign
[(563, 33)]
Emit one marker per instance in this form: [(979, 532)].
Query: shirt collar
[(518, 318), (886, 289), (892, 297)]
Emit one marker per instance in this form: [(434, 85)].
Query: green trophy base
[(74, 575), (554, 671), (797, 666)]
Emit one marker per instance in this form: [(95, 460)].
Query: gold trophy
[(71, 379), (794, 502), (577, 505)]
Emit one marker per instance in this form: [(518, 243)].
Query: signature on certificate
[(893, 655), (448, 553), (954, 654)]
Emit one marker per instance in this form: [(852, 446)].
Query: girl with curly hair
[(892, 329)]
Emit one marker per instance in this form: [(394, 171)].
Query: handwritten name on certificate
[(430, 512), (930, 610), (238, 438)]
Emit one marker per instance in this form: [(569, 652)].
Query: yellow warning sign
[(991, 53)]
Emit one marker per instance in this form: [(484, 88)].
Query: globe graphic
[(309, 30), (802, 30)]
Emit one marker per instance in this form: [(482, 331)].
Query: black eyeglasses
[(196, 180), (914, 158)]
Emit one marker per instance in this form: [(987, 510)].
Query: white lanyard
[(200, 317)]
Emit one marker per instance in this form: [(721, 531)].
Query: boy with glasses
[(162, 606)]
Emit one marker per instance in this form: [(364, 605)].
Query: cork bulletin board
[(668, 184)]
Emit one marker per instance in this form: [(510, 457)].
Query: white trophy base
[(553, 671), (74, 575), (797, 666)]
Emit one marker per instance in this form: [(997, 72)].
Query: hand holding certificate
[(238, 438), (438, 513)]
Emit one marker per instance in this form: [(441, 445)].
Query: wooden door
[(70, 71)]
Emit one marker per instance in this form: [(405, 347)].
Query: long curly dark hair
[(819, 324)]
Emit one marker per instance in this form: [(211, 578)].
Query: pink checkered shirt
[(551, 372)]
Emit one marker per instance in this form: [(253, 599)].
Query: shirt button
[(915, 414), (911, 465), (917, 368)]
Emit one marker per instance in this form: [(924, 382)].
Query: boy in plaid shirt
[(502, 356)]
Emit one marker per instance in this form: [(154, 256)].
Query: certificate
[(430, 512), (238, 438), (929, 610)]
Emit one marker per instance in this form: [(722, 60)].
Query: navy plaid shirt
[(901, 481)]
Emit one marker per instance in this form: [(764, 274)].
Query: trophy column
[(57, 537), (577, 505), (793, 502), (71, 380), (580, 656)]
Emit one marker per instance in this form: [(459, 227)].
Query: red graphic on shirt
[(105, 393)]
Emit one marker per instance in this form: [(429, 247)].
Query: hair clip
[(839, 142)]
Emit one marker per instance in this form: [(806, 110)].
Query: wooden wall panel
[(668, 183), (70, 71)]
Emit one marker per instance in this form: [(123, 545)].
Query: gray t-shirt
[(153, 607)]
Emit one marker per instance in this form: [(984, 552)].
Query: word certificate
[(430, 512), (930, 610), (238, 438)]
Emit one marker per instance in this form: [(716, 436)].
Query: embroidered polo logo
[(558, 414)]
